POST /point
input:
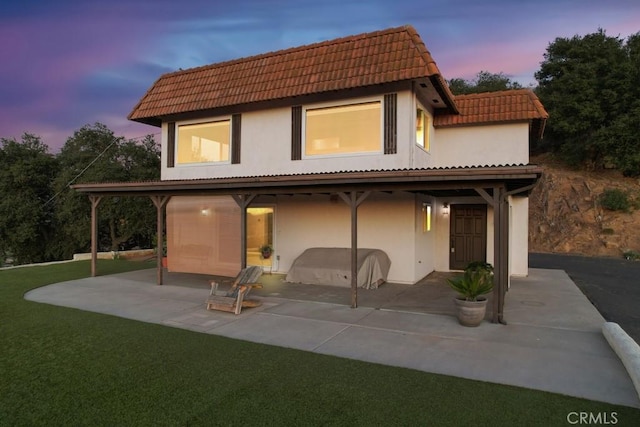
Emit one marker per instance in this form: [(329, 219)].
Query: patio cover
[(493, 183)]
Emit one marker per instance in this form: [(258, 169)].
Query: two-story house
[(350, 143)]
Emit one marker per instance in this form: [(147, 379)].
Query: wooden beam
[(353, 200), (160, 203), (486, 196), (95, 201), (520, 190), (243, 201)]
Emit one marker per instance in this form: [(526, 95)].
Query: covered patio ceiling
[(493, 184)]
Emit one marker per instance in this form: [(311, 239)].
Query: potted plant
[(476, 281), (266, 250)]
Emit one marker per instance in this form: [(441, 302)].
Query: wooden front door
[(468, 238)]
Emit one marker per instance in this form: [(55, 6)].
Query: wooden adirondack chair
[(236, 297)]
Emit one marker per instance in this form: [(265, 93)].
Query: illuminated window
[(426, 217), (204, 142), (344, 129), (422, 129)]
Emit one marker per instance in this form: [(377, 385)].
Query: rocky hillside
[(567, 216)]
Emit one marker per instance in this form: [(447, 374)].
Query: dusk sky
[(67, 63)]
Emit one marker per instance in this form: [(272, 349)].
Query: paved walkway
[(553, 340)]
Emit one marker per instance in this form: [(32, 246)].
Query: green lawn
[(61, 366)]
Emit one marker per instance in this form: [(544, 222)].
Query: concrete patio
[(553, 340)]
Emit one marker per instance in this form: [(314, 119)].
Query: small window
[(426, 217), (344, 129), (422, 128), (204, 142)]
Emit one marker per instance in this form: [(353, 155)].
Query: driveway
[(611, 284)]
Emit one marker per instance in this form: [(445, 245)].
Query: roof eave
[(407, 180), (445, 93), (152, 121)]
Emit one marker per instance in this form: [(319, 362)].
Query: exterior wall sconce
[(204, 212), (445, 209)]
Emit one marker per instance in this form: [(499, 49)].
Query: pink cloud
[(50, 57), (519, 62)]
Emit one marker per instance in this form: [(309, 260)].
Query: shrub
[(480, 266), (615, 200), (476, 281), (631, 255), (607, 231)]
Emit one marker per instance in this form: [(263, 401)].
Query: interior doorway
[(260, 222)]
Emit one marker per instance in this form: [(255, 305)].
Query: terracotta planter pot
[(471, 313)]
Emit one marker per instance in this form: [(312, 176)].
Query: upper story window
[(207, 142), (344, 129), (422, 128)]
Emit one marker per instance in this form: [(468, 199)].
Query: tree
[(26, 172), (94, 154), (626, 127), (589, 86), (483, 82)]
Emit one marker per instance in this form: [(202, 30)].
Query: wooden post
[(497, 254), (504, 254), (500, 203), (500, 249), (160, 203), (500, 252), (95, 201), (243, 200), (354, 201)]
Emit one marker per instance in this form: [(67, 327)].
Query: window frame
[(227, 119), (351, 102), (426, 131)]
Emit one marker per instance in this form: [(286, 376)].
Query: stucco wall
[(390, 222), (519, 235), (504, 144), (266, 147), (385, 222)]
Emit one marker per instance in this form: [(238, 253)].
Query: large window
[(422, 128), (204, 142), (344, 129)]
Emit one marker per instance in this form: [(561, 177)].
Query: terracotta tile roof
[(386, 56), (494, 107)]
